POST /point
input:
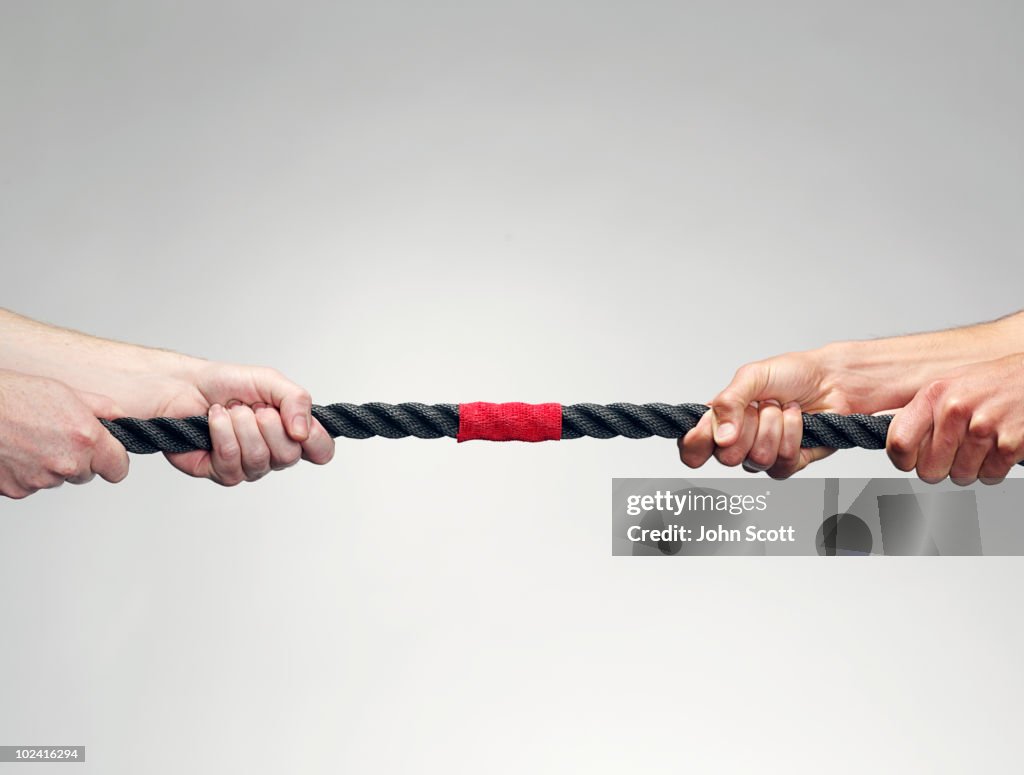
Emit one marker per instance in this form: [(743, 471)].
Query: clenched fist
[(967, 425), (51, 436)]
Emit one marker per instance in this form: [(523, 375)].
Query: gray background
[(536, 201)]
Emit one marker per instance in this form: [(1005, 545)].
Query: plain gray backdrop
[(535, 201)]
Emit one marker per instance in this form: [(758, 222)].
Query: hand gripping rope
[(500, 422)]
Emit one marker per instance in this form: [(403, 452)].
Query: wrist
[(886, 373), (175, 366), (143, 381), (879, 374)]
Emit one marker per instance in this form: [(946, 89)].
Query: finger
[(196, 463), (291, 400), (319, 447), (83, 477), (921, 454), (696, 447), (765, 449), (109, 460), (969, 459), (254, 451), (730, 406), (810, 455), (995, 468), (100, 405), (907, 431), (225, 461), (284, 452), (40, 480), (737, 452), (788, 460), (936, 456), (1003, 456)]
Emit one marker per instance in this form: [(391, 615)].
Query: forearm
[(886, 373), (132, 375)]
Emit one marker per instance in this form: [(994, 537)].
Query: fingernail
[(300, 426), (791, 405), (725, 433), (216, 409), (233, 403), (259, 405), (752, 467)]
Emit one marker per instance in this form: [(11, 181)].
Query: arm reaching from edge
[(260, 420), (755, 420)]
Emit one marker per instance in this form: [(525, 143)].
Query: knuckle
[(746, 371), (899, 460), (41, 481), (260, 461), (898, 444), (724, 400), (762, 457), (64, 467), (981, 427), (1007, 446), (228, 451), (955, 408), (936, 390), (85, 435)]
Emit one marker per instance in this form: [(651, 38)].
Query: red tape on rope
[(510, 422)]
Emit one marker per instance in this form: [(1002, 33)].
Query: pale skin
[(957, 397), (55, 383)]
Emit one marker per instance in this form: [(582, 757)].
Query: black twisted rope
[(395, 421)]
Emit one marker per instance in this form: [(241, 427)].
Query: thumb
[(101, 406), (291, 401), (729, 406), (109, 458)]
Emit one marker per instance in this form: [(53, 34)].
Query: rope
[(396, 421)]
